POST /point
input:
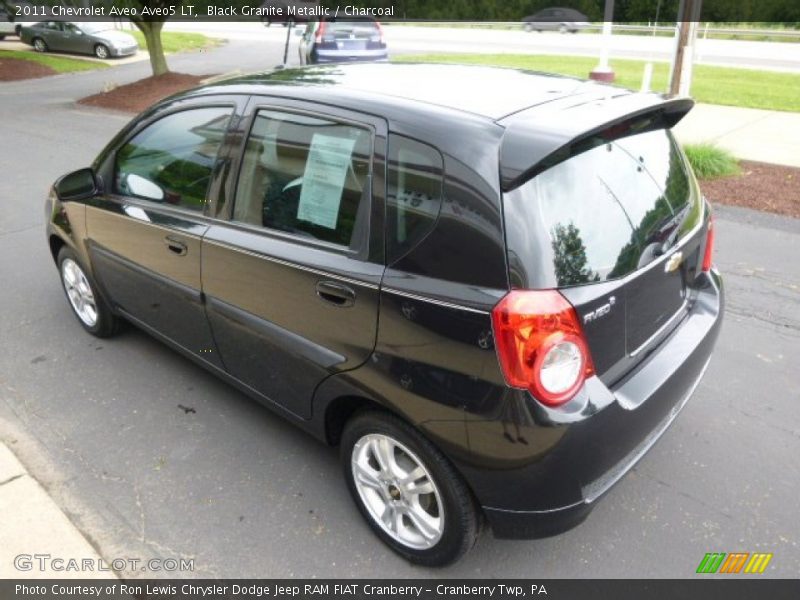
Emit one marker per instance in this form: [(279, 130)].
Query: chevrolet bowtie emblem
[(673, 262)]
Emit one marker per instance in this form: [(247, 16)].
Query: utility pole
[(681, 77), (603, 71)]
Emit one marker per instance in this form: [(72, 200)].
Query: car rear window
[(349, 26), (610, 210)]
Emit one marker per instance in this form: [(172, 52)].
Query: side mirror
[(78, 185), (136, 185)]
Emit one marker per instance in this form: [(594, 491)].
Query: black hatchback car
[(494, 299)]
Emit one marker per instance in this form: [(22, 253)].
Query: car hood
[(116, 38)]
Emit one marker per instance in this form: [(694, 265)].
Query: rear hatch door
[(350, 36), (617, 228)]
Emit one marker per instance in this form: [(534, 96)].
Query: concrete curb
[(32, 524)]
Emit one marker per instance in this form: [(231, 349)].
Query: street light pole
[(681, 77), (603, 71), (289, 27)]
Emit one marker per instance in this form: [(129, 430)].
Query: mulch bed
[(13, 69), (139, 95), (760, 186)]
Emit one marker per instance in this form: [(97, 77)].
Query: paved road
[(242, 493), (781, 56)]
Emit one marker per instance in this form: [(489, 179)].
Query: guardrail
[(704, 30)]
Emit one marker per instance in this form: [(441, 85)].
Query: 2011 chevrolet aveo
[(494, 298)]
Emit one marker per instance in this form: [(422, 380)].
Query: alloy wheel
[(398, 491), (79, 292)]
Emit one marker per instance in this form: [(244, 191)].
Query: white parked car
[(6, 25)]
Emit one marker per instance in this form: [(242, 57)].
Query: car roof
[(490, 92), (536, 119)]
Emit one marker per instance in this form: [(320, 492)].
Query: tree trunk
[(152, 36)]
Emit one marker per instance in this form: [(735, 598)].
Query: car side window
[(414, 197), (171, 160), (304, 175)]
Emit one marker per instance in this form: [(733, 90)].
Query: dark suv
[(495, 299)]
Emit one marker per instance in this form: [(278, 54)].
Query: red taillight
[(708, 257), (320, 31), (540, 345)]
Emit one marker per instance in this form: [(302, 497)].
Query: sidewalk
[(31, 524), (748, 133)]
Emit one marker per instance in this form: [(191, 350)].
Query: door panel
[(73, 39), (289, 301), (274, 331), (53, 36), (130, 249), (145, 231)]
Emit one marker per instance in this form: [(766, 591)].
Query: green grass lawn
[(714, 85), (173, 42), (60, 64), (176, 41)]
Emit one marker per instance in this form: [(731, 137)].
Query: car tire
[(39, 44), (2, 37), (87, 304), (433, 527), (102, 52), (528, 27)]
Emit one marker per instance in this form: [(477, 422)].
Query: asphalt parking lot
[(244, 494)]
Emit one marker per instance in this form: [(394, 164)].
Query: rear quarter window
[(414, 198)]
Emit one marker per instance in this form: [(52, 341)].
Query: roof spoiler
[(536, 140)]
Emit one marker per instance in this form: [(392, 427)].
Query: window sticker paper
[(323, 179)]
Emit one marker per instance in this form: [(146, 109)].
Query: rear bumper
[(334, 56), (526, 525), (540, 477)]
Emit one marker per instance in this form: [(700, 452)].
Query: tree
[(149, 18), (569, 256)]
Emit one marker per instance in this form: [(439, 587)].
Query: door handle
[(336, 293), (175, 245)]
